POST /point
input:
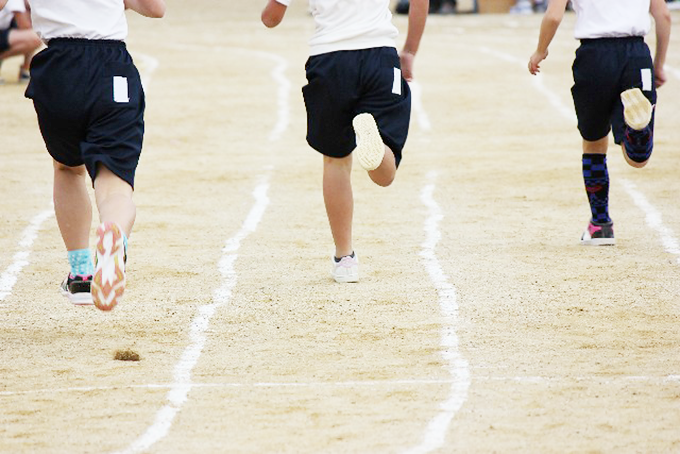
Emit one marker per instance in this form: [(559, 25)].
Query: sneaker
[(370, 149), (522, 7), (346, 269), (598, 235), (637, 110), (77, 289), (108, 284)]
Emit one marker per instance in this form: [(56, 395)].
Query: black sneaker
[(77, 289), (598, 235)]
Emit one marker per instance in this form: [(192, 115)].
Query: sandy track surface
[(480, 324)]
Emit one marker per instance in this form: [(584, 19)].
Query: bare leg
[(386, 171), (339, 200), (597, 146), (72, 205), (114, 200)]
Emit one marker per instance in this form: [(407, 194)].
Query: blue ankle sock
[(596, 179), (81, 262)]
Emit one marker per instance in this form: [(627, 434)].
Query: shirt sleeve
[(284, 2), (16, 6)]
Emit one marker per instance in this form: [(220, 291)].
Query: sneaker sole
[(346, 279), (370, 149), (599, 242), (78, 299), (637, 110), (108, 284)]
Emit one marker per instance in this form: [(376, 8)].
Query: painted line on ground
[(417, 103), (673, 71), (653, 216), (455, 363), (148, 65), (675, 379), (278, 73), (179, 390), (9, 277), (653, 219), (178, 393)]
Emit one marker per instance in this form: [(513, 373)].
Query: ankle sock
[(81, 262), (337, 260), (596, 179)]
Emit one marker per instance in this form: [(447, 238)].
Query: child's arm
[(273, 13), (417, 16), (662, 19), (3, 3), (551, 22), (148, 8)]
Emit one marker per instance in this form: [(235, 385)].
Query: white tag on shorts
[(646, 74), (396, 85), (120, 89)]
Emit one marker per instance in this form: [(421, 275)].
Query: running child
[(615, 81), (90, 104), (358, 101), (16, 35)]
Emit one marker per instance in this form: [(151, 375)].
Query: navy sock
[(639, 144), (596, 179)]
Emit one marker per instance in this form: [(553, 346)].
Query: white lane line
[(417, 104), (278, 73), (653, 219), (359, 384), (653, 216), (148, 66), (455, 363), (537, 81), (9, 277), (673, 71), (179, 390)]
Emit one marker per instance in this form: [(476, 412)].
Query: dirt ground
[(480, 324)]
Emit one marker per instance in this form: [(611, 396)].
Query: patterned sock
[(81, 262), (639, 144), (596, 179)]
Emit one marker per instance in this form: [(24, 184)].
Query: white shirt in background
[(86, 19), (7, 13), (611, 18), (350, 25)]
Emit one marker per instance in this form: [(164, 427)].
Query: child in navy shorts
[(358, 102), (89, 100), (615, 81)]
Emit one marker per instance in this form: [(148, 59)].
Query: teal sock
[(81, 262), (125, 241)]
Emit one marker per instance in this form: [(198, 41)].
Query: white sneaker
[(637, 110), (370, 149), (108, 284), (345, 270)]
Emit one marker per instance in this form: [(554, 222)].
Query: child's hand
[(406, 65), (659, 76), (535, 60)]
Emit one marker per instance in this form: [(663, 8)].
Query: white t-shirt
[(350, 25), (7, 13), (88, 19), (611, 18)]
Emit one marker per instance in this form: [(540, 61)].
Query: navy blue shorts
[(4, 36), (604, 68), (90, 104), (344, 84)]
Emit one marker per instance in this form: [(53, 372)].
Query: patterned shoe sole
[(370, 149), (108, 284), (637, 110)]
